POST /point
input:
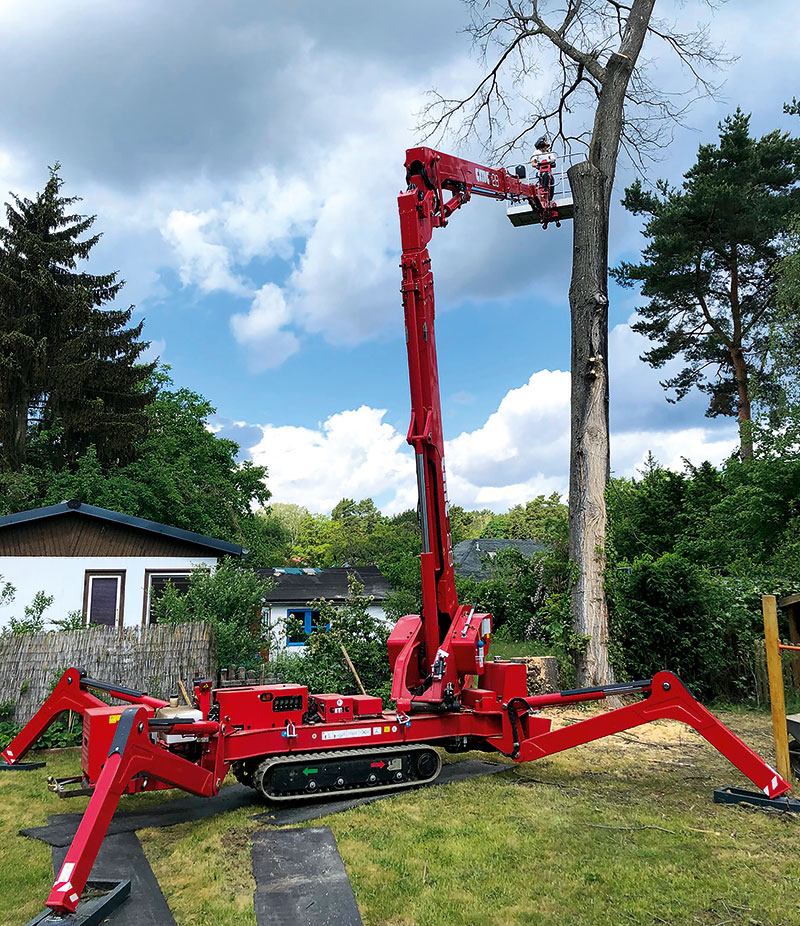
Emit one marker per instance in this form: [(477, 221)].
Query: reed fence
[(151, 659)]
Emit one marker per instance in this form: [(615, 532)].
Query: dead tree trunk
[(592, 181), (589, 443), (582, 37)]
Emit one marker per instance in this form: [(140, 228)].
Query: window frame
[(148, 576), (119, 575), (308, 625)]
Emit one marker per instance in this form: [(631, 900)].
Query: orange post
[(769, 607)]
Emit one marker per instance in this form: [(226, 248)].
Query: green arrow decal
[(310, 771)]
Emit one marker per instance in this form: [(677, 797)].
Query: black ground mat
[(61, 827), (301, 813), (122, 857), (301, 880)]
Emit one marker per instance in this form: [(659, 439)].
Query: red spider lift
[(289, 744)]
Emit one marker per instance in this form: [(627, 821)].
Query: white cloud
[(520, 451), (353, 454), (261, 329), (201, 262)]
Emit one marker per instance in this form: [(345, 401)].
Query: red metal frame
[(445, 690)]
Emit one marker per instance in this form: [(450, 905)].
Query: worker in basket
[(544, 161)]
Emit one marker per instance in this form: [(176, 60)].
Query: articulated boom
[(434, 654), (289, 744)]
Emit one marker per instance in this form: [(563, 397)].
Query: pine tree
[(708, 269), (70, 374)]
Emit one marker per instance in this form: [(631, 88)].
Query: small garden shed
[(290, 601), (107, 565)]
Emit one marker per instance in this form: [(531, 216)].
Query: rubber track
[(352, 790)]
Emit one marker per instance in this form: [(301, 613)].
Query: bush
[(231, 599), (323, 668), (61, 733), (668, 613)]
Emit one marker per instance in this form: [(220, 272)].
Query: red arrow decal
[(377, 765)]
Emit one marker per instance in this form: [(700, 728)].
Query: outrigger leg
[(667, 698)]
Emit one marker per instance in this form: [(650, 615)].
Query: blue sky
[(243, 160)]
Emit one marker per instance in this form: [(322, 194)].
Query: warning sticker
[(114, 718), (346, 734)]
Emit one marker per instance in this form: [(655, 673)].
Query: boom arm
[(438, 184)]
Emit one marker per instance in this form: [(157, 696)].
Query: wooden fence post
[(769, 607)]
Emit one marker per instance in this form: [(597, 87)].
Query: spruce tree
[(708, 268), (70, 374)]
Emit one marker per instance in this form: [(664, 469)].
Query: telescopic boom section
[(438, 184)]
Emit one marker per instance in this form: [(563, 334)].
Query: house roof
[(470, 556), (304, 585), (74, 507)]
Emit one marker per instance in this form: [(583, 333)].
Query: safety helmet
[(541, 143)]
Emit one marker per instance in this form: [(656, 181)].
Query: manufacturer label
[(347, 734)]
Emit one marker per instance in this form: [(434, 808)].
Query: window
[(299, 624), (103, 596), (156, 583)]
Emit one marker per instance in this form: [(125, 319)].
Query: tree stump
[(542, 673)]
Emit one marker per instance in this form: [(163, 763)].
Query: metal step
[(793, 726)]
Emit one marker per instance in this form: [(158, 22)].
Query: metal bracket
[(784, 804), (90, 912), (21, 766)]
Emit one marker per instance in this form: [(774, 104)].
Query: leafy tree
[(184, 475), (70, 374), (646, 515), (544, 519), (231, 598), (33, 620), (291, 517), (708, 269)]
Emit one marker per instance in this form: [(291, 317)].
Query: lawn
[(616, 832)]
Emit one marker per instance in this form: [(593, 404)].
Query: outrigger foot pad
[(91, 911), (784, 804), (21, 766)]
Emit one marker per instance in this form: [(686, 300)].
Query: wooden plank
[(789, 600), (769, 607)]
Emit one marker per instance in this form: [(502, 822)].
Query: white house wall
[(63, 577)]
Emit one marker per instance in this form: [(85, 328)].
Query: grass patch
[(511, 649), (622, 831)]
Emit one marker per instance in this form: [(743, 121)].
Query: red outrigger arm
[(134, 763), (667, 699), (132, 753)]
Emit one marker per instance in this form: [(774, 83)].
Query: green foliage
[(543, 519), (8, 592), (689, 556), (708, 269), (75, 620), (33, 621), (323, 668), (669, 613), (739, 520), (230, 598), (70, 374), (183, 476)]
